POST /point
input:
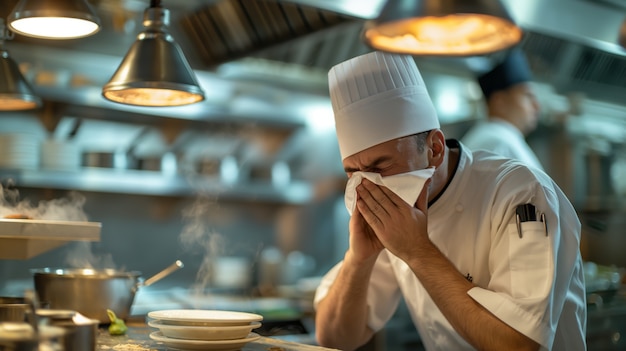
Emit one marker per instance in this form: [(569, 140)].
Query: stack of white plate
[(19, 151), (60, 155), (189, 329)]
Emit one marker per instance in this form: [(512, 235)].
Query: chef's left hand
[(399, 226)]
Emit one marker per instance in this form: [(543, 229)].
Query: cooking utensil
[(75, 126), (178, 264), (92, 291)]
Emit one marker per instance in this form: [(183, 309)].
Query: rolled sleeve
[(517, 317)]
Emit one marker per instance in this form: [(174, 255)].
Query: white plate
[(193, 332), (221, 345), (204, 317)]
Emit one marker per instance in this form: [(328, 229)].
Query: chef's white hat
[(378, 97)]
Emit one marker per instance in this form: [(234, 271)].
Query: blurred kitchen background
[(246, 187)]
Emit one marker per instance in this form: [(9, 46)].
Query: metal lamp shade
[(442, 28), (154, 72), (621, 39), (54, 19), (15, 92)]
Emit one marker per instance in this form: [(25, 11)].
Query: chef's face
[(396, 156), (523, 107)]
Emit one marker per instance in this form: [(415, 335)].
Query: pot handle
[(162, 274)]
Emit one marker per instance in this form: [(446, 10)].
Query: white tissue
[(407, 186)]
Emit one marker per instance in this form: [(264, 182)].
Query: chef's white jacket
[(502, 138), (535, 283)]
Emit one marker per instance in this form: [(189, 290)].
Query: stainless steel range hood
[(291, 44), (572, 44)]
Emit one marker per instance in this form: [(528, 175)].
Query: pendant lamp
[(621, 38), (154, 72), (54, 19), (442, 28), (15, 92)]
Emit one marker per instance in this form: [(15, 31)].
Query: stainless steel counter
[(283, 318), (606, 323), (137, 339), (271, 308)]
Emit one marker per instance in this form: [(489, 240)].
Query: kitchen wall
[(146, 232), (143, 232), (582, 147), (146, 229)]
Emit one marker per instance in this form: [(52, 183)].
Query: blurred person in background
[(434, 224), (512, 111)]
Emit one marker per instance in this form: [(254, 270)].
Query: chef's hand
[(397, 225), (364, 243)]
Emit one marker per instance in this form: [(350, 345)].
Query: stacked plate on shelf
[(19, 151), (190, 329), (60, 155)]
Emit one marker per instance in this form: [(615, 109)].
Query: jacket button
[(459, 208)]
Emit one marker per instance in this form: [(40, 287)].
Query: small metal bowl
[(13, 309)]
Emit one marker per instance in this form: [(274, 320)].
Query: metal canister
[(13, 309), (81, 332), (22, 337)]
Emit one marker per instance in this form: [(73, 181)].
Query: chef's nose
[(536, 106)]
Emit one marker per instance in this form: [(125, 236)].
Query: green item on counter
[(117, 327)]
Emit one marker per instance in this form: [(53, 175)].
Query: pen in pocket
[(527, 213)]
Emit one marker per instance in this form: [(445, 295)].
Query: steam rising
[(69, 208), (81, 256), (196, 234)]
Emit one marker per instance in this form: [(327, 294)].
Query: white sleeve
[(531, 275)]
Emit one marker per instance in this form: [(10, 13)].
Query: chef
[(484, 250), (512, 110)]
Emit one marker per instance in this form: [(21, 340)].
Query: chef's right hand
[(364, 243)]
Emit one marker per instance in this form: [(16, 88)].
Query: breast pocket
[(531, 260)]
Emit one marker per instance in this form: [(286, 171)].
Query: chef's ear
[(436, 142)]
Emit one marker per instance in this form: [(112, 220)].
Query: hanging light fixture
[(54, 19), (15, 92), (442, 28), (621, 38), (154, 72)]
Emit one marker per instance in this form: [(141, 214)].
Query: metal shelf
[(156, 183), (27, 238)]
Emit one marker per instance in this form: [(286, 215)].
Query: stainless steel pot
[(105, 159), (91, 291), (87, 291)]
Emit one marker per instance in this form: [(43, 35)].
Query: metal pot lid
[(12, 300), (13, 331), (55, 313), (86, 272)]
